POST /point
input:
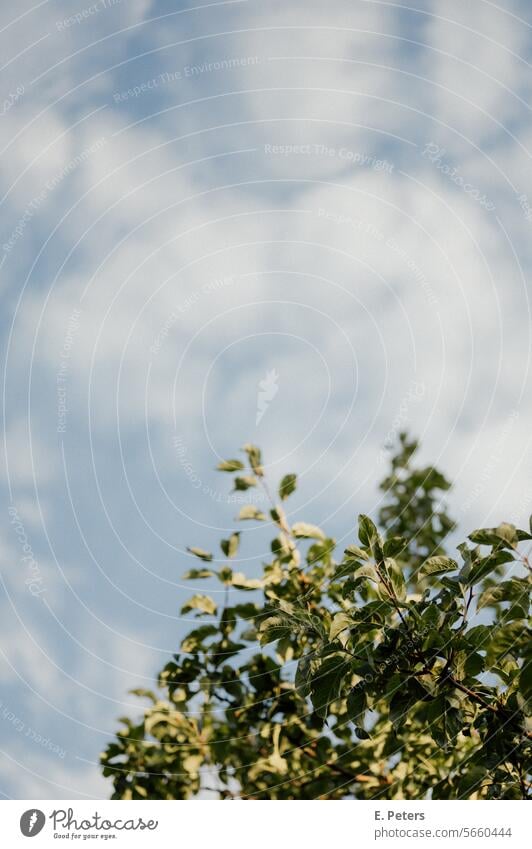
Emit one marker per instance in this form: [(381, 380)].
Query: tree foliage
[(392, 671)]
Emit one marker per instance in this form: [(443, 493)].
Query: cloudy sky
[(297, 223)]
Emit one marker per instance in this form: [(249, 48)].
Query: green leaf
[(304, 530), (367, 571), (230, 466), (479, 636), (203, 603), (356, 704), (321, 551), (230, 546), (525, 680), (474, 665), (340, 622), (484, 536), (505, 532), (144, 694), (325, 685), (249, 511), (196, 574), (361, 733), (353, 551), (274, 628), (514, 591), (240, 581), (306, 669), (276, 760), (254, 457), (404, 699), (287, 486), (199, 552), (468, 664), (347, 568), (194, 640), (278, 515), (394, 546), (485, 566), (437, 566), (397, 579), (225, 575), (245, 482), (508, 638), (471, 780), (367, 532), (192, 763), (282, 547)]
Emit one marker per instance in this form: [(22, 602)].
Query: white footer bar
[(307, 825)]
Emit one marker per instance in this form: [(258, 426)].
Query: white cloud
[(475, 56)]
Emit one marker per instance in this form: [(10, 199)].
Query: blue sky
[(329, 204)]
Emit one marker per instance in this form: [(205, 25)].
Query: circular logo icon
[(32, 822)]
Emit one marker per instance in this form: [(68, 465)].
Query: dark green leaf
[(437, 566), (485, 566), (230, 546), (356, 704), (525, 681), (394, 546), (361, 733), (367, 532), (287, 486), (515, 591), (195, 574), (505, 533), (354, 552), (245, 482), (326, 683)]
